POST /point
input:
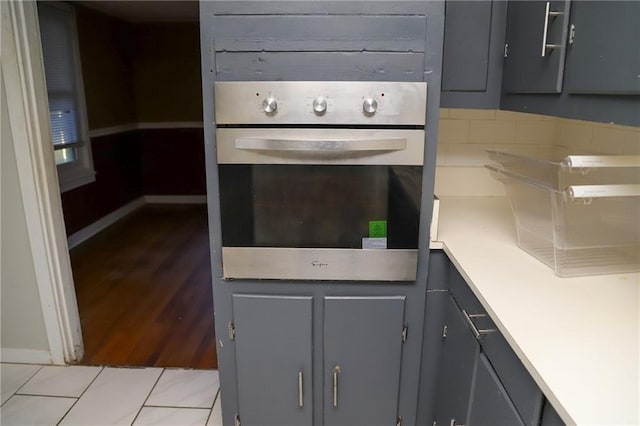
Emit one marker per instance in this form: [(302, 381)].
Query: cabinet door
[(465, 60), (490, 404), (604, 57), (459, 357), (273, 356), (362, 351), (531, 66)]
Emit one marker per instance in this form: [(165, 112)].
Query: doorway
[(137, 223)]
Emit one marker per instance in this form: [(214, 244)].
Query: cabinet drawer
[(524, 392)]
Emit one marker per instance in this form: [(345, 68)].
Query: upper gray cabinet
[(473, 52), (603, 56), (591, 61), (465, 61), (535, 48)]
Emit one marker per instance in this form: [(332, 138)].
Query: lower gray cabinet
[(362, 359), (273, 359), (459, 355), (490, 404), (482, 382)]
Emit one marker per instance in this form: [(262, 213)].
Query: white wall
[(21, 312), (465, 134)]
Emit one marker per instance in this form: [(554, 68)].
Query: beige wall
[(107, 70), (20, 309), (166, 72), (465, 134)]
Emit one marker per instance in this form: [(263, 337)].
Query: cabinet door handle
[(545, 30), (336, 370), (476, 331), (300, 391), (453, 423)]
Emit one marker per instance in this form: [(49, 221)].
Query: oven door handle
[(322, 145)]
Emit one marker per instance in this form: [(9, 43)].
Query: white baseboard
[(89, 231), (172, 125), (175, 199), (104, 131), (97, 226), (25, 356)]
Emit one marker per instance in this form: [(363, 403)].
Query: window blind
[(57, 32)]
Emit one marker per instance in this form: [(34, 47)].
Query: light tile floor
[(78, 395)]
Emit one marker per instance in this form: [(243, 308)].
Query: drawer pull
[(476, 331), (547, 13), (300, 391), (336, 370)]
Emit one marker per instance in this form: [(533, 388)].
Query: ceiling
[(147, 11)]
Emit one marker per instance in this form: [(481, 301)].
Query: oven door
[(320, 204)]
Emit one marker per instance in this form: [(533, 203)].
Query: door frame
[(26, 93)]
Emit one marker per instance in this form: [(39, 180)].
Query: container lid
[(575, 191), (562, 157)]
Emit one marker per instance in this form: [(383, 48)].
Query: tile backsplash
[(465, 134)]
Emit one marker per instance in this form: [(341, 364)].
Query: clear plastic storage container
[(557, 168), (578, 223)]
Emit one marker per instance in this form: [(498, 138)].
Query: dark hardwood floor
[(144, 290)]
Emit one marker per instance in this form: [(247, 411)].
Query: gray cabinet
[(481, 381), (362, 359), (470, 391), (604, 57), (273, 359), (362, 352), (459, 356), (535, 46), (593, 74), (473, 54)]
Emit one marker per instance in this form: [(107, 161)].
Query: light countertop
[(578, 337)]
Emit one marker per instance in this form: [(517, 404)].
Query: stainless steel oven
[(320, 180)]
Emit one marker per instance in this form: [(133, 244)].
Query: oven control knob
[(370, 106), (320, 105), (269, 105)]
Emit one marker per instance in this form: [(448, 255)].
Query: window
[(67, 110)]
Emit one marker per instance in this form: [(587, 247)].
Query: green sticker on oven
[(377, 229)]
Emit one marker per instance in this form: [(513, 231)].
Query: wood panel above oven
[(368, 41), (319, 33)]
